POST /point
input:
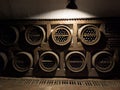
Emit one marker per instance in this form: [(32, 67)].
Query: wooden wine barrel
[(75, 61), (61, 35), (22, 62), (103, 61), (89, 34), (35, 35), (3, 61), (9, 35), (48, 61)]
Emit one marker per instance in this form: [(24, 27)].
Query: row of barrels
[(61, 35), (9, 35), (49, 61)]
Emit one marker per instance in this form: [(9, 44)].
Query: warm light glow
[(63, 14)]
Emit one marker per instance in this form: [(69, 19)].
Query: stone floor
[(28, 83)]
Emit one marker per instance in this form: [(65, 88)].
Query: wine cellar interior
[(65, 50), (60, 48)]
